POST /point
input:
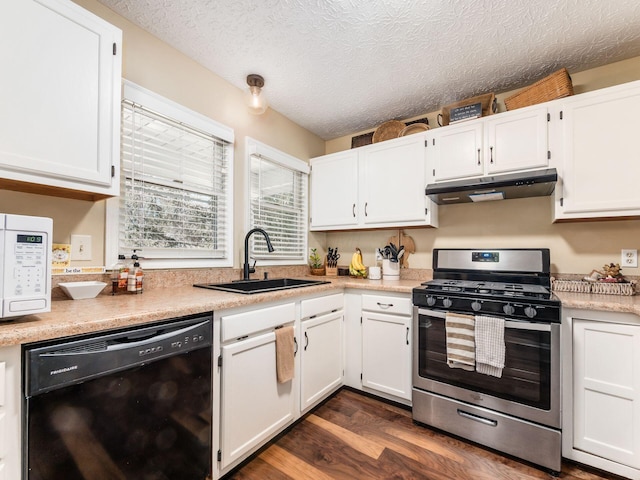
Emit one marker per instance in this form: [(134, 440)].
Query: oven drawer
[(535, 443), (387, 304)]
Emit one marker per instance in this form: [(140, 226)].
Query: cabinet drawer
[(246, 323), (320, 305), (387, 304)]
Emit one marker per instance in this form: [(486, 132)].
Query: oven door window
[(149, 422), (526, 377)]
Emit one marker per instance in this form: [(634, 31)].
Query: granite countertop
[(105, 312), (74, 317)]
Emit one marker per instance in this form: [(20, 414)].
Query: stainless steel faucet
[(247, 270)]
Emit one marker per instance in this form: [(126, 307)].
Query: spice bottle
[(136, 275), (119, 273)]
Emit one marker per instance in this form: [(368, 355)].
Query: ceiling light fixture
[(255, 98)]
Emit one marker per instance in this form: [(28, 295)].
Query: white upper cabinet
[(334, 190), (517, 140), (379, 185), (503, 143), (599, 154), (456, 151), (60, 97), (393, 181)]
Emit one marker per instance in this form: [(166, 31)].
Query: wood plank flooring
[(352, 436)]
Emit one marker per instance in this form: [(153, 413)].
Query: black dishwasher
[(125, 404)]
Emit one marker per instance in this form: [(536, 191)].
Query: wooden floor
[(353, 436)]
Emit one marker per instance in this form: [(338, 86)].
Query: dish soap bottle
[(119, 273)]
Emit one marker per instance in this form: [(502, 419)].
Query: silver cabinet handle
[(353, 210), (365, 208)]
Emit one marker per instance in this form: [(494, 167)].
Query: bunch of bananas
[(356, 267)]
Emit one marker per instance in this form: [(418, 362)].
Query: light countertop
[(74, 317)]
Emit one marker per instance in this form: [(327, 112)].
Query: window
[(278, 204), (176, 181)]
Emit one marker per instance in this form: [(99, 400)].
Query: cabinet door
[(334, 190), (517, 141), (457, 151), (322, 357), (393, 180), (60, 96), (386, 353), (606, 397), (601, 158), (254, 406)]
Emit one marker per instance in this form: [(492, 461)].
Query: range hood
[(536, 183)]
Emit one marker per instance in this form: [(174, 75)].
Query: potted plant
[(315, 263)]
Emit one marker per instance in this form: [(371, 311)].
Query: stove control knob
[(530, 311), (508, 309), (431, 301), (447, 302), (476, 306)]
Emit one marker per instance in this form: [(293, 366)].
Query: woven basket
[(388, 130), (488, 106), (556, 85), (603, 288)]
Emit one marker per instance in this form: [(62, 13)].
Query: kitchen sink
[(261, 286)]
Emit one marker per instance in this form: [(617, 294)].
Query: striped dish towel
[(460, 341), (490, 347)]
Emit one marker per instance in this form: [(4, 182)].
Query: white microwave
[(25, 265)]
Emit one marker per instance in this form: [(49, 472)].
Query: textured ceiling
[(337, 67)]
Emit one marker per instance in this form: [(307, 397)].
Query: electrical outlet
[(629, 258), (80, 247)]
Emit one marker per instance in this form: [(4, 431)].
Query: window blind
[(279, 205), (174, 187)]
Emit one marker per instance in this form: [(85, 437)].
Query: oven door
[(530, 384)]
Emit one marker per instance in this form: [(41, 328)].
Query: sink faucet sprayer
[(247, 270)]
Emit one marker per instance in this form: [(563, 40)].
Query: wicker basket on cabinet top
[(556, 85)]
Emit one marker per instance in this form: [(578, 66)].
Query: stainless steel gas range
[(486, 363)]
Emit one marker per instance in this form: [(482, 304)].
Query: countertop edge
[(76, 317)]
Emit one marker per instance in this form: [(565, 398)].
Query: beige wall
[(576, 247), (154, 65)]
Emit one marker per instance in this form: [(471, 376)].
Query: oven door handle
[(514, 324)]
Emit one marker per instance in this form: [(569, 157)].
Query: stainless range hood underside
[(537, 183)]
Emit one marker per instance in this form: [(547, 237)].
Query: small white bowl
[(80, 290)]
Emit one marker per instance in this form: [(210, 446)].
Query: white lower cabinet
[(322, 351), (602, 412), (253, 405), (10, 424), (386, 345)]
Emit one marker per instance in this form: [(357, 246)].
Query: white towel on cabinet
[(490, 348)]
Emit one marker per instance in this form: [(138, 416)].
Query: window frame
[(254, 147), (180, 113)]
